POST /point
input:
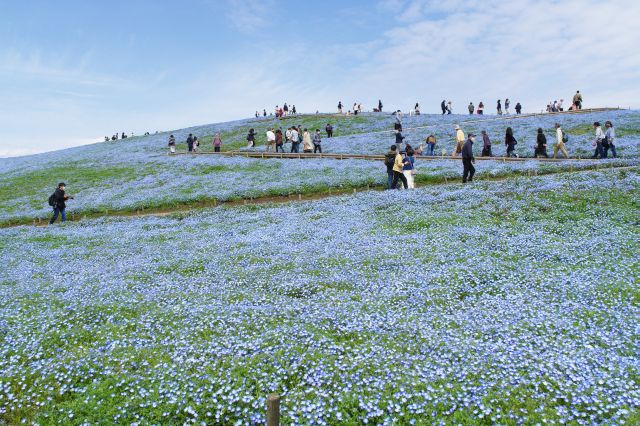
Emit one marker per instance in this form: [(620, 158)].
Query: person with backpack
[(470, 108), (577, 100), (251, 139), (217, 142), (329, 129), (541, 145), (172, 144), (317, 140), (486, 144), (295, 140), (609, 138), (597, 143), (409, 170), (510, 142), (431, 144), (57, 200), (561, 139), (468, 159), (518, 108), (459, 141), (190, 143)]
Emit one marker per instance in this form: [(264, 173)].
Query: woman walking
[(251, 139), (541, 148), (510, 142), (317, 140), (172, 144), (486, 144), (217, 142), (609, 138), (279, 141), (408, 169), (306, 142)]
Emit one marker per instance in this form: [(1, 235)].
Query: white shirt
[(559, 135), (271, 136)]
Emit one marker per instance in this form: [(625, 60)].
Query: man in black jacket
[(389, 159), (190, 142), (468, 159), (59, 205)]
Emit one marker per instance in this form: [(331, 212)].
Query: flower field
[(511, 302), (136, 173)]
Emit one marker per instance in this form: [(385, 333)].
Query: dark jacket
[(60, 198), (389, 159), (399, 138), (190, 141), (467, 150), (509, 140), (542, 140)]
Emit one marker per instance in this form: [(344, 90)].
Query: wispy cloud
[(248, 16)]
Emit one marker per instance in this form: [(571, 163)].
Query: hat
[(471, 135), (61, 184), (457, 127)]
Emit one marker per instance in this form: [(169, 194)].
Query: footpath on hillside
[(296, 197)]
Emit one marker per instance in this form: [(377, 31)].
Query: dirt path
[(294, 197)]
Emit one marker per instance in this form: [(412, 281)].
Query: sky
[(74, 71)]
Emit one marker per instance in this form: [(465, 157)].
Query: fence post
[(273, 410)]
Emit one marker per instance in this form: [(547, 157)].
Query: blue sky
[(72, 72)]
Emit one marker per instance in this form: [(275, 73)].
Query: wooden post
[(273, 410)]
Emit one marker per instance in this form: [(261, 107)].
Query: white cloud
[(249, 16)]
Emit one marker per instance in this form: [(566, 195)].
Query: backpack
[(388, 161), (52, 200), (565, 138)]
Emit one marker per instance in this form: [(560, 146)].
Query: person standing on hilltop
[(518, 108), (339, 107), (468, 159), (416, 109), (293, 110), (470, 108), (480, 108), (379, 105), (443, 105), (285, 110), (449, 108), (459, 141), (57, 200), (577, 100), (506, 106), (499, 108)]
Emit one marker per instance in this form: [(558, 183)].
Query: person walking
[(471, 108), (597, 143), (295, 140), (561, 138), (190, 143), (486, 144), (399, 139), (329, 129), (317, 140), (389, 161), (285, 109), (279, 141), (459, 141), (541, 146), (431, 144), (609, 138), (251, 139), (499, 108), (518, 108), (293, 110), (398, 124), (577, 100), (510, 142), (307, 146), (172, 144), (468, 159), (443, 105), (57, 200), (379, 105), (408, 170), (287, 137), (196, 144), (217, 142), (271, 139), (398, 168)]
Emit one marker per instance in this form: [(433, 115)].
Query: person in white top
[(271, 139), (597, 143), (559, 145)]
